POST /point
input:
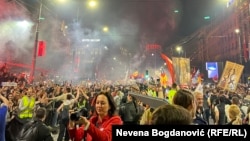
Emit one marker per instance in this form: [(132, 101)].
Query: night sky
[(132, 25), (155, 20), (193, 13)]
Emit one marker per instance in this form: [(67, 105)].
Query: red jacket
[(76, 134), (98, 130), (102, 130)]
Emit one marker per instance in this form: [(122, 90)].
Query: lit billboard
[(212, 69)]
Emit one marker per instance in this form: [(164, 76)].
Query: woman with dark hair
[(171, 114), (99, 127)]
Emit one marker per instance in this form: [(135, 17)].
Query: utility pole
[(240, 55), (237, 31), (33, 67)]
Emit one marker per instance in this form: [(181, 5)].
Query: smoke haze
[(132, 25)]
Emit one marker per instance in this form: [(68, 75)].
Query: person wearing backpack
[(36, 130)]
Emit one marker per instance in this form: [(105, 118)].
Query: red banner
[(41, 48), (169, 66)]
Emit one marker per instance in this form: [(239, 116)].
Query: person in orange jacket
[(99, 126)]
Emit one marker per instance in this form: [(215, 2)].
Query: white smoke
[(15, 30)]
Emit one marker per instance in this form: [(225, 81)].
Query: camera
[(75, 116)]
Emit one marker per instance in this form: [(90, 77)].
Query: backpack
[(29, 132)]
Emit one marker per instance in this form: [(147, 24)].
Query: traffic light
[(146, 74), (206, 17)]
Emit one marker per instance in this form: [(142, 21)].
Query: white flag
[(199, 88)]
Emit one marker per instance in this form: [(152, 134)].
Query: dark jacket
[(43, 133), (222, 114), (199, 121), (128, 113)]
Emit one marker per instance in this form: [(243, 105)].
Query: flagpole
[(31, 79)]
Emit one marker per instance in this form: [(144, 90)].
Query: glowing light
[(105, 29), (237, 31), (207, 17), (18, 32), (91, 40), (23, 23), (178, 48), (62, 1), (92, 3)]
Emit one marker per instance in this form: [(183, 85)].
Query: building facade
[(225, 38)]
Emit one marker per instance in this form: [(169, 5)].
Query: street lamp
[(62, 1), (92, 3), (237, 31), (180, 51), (153, 55), (105, 29), (32, 74)]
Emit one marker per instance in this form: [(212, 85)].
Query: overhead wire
[(14, 2), (26, 5)]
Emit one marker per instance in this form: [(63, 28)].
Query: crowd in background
[(88, 110)]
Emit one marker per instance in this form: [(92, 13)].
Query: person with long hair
[(234, 115), (99, 126)]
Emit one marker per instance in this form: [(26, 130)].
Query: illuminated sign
[(153, 47), (212, 69)]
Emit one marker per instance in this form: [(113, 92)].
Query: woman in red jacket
[(99, 127)]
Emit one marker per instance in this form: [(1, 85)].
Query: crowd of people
[(87, 111)]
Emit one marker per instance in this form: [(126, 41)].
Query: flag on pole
[(170, 67)]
